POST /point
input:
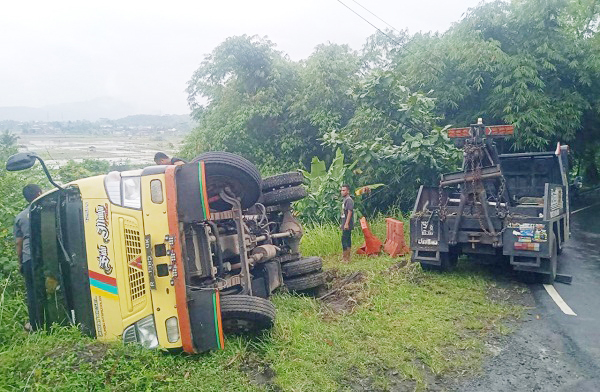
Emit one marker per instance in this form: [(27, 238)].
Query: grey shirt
[(347, 205), (21, 230)]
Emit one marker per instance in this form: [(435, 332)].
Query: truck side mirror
[(24, 160), (20, 161)]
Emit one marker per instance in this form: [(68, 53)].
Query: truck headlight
[(142, 332), (172, 329)]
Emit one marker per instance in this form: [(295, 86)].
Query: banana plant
[(323, 202)]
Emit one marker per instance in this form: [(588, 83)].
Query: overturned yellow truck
[(167, 256)]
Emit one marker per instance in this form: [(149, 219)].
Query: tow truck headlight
[(172, 329), (142, 332)]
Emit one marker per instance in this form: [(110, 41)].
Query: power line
[(366, 20), (372, 13), (390, 37)]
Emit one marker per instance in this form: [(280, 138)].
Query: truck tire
[(282, 181), (553, 263), (448, 263), (224, 169), (243, 314), (301, 267), (305, 282), (287, 258), (283, 195)]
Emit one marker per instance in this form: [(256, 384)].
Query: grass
[(396, 326)]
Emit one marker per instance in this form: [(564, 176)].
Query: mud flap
[(205, 319), (431, 257)]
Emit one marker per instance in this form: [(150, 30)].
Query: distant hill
[(95, 109), (149, 120)]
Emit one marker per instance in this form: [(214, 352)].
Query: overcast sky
[(144, 52)]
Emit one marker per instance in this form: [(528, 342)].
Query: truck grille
[(133, 255)]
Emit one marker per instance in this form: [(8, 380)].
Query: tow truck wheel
[(243, 314), (553, 264), (301, 267), (227, 170)]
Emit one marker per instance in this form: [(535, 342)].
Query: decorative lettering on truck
[(556, 202), (102, 222), (426, 228), (104, 260)]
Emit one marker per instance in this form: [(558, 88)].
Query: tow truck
[(505, 207)]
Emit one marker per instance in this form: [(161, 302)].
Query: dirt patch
[(507, 293), (407, 271), (395, 381), (259, 372), (90, 353), (344, 291)]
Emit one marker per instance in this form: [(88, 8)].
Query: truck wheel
[(288, 257), (224, 169), (448, 263), (305, 282), (283, 195), (243, 314), (553, 261), (301, 267), (282, 181)]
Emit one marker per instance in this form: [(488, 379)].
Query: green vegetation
[(323, 186), (392, 324), (531, 63), (11, 202)]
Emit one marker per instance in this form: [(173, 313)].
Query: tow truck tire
[(224, 169), (305, 282), (448, 263), (283, 195), (243, 314), (553, 263), (301, 267), (282, 181)]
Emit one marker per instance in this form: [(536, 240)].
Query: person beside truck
[(160, 158), (347, 223), (21, 233)]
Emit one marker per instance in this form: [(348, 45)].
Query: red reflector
[(499, 130), (459, 132)]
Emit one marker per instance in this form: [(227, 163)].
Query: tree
[(246, 86), (8, 144)]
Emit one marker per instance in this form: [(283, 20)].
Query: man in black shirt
[(347, 222), (160, 158)]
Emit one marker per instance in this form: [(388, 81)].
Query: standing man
[(21, 232), (160, 158), (347, 222)]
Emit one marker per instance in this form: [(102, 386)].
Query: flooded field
[(135, 150)]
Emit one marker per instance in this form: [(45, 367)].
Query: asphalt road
[(551, 350)]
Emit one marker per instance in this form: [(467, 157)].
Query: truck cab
[(166, 256), (102, 252)]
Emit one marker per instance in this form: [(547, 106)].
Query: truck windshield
[(61, 283)]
